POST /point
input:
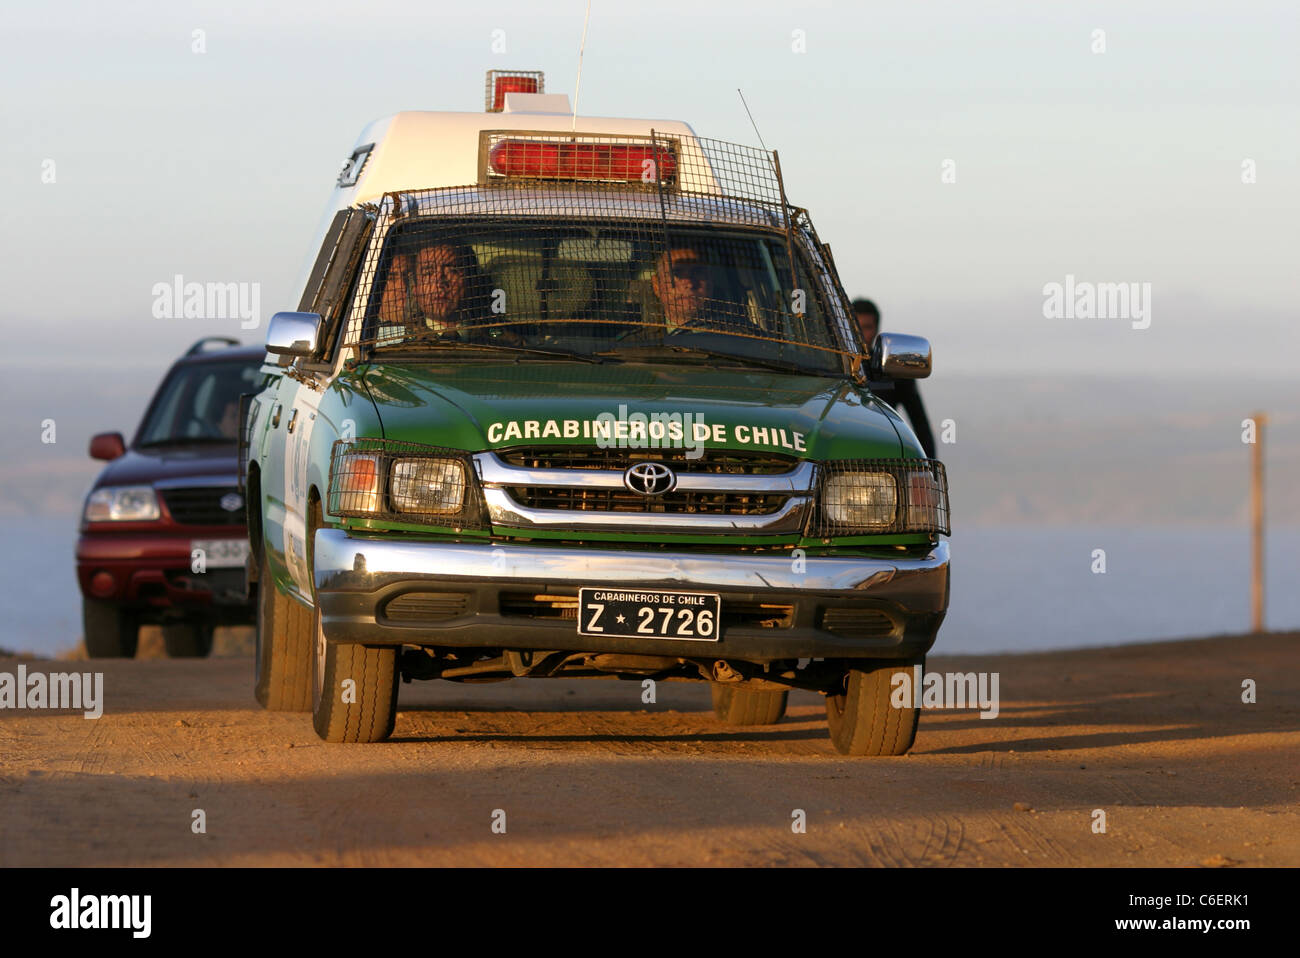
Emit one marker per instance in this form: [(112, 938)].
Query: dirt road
[(1156, 737)]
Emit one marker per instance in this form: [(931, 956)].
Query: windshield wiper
[(682, 352), (378, 354)]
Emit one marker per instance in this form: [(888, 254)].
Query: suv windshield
[(633, 291), (199, 402)]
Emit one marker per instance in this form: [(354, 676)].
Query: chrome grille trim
[(497, 478), (495, 473), (505, 511)]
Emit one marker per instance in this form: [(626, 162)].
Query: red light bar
[(622, 163)]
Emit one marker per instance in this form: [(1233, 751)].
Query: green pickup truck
[(570, 398)]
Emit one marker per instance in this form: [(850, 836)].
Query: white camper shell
[(426, 150)]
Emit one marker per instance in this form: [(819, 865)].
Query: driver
[(228, 427), (683, 298), (431, 291), (683, 285)]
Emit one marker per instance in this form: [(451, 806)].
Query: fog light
[(103, 584)]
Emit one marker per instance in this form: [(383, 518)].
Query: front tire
[(741, 706), (187, 640), (862, 719), (110, 631), (354, 690), (284, 646)]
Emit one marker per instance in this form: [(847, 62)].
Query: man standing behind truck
[(904, 396)]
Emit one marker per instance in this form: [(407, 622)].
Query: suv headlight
[(122, 504), (875, 496), (428, 486)]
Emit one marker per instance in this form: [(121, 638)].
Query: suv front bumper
[(878, 607)]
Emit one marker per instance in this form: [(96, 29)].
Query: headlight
[(865, 499), (122, 504), (427, 486), (874, 496)]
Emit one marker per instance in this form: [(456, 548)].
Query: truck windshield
[(637, 292), (198, 403)]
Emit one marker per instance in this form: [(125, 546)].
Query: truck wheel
[(283, 657), (740, 706), (354, 690), (187, 640), (111, 632), (862, 719)]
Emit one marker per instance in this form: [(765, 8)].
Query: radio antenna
[(578, 85), (751, 121)]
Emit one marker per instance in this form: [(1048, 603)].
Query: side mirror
[(293, 334), (107, 446), (899, 356)]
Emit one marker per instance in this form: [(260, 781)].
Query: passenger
[(904, 394), (435, 292)]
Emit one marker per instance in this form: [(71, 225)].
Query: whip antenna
[(581, 47), (751, 119)]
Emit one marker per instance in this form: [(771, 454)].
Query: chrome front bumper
[(356, 576)]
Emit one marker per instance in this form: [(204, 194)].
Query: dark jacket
[(905, 397)]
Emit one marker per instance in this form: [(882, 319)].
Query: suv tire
[(187, 640), (861, 717), (110, 631)]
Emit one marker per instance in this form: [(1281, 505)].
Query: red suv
[(163, 536)]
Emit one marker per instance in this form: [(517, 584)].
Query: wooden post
[(1257, 526)]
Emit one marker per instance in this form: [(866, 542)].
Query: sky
[(133, 157)]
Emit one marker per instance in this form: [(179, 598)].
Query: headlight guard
[(404, 482), (881, 497)]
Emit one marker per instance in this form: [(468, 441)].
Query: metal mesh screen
[(585, 246), (881, 496), (405, 482)]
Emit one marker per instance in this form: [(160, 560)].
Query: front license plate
[(630, 613), (220, 553)]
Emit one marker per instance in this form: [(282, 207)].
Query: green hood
[(476, 406)]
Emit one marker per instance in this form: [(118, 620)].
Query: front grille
[(578, 499), (858, 623), (201, 506), (712, 461), (425, 606)]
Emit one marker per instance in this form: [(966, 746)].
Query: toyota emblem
[(231, 501), (649, 478)]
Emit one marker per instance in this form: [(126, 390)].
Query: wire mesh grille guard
[(404, 482), (578, 244), (881, 496)]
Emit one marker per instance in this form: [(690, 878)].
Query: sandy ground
[(1155, 736)]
